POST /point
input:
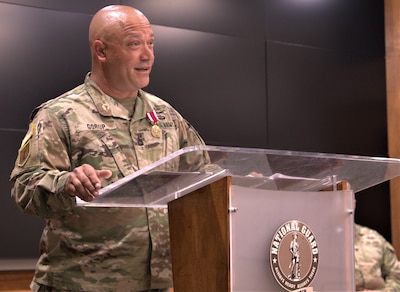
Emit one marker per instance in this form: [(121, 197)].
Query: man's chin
[(144, 84)]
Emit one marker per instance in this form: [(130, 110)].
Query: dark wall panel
[(334, 101), (231, 17), (206, 77), (343, 25), (87, 6), (41, 57), (373, 208)]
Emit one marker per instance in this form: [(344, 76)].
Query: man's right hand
[(85, 182)]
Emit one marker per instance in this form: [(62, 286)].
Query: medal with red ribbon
[(155, 129)]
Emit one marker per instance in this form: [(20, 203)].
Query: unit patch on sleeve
[(24, 150)]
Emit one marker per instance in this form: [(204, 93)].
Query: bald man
[(89, 137)]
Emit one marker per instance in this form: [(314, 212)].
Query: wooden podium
[(199, 236), (255, 219)]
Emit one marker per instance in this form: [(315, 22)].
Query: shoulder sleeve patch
[(24, 150), (28, 135), (23, 153)]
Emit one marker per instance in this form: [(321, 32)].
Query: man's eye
[(134, 44)]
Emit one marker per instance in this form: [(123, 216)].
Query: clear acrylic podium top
[(193, 167)]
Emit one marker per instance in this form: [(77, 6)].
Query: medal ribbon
[(152, 116)]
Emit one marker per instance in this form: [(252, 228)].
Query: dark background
[(296, 75)]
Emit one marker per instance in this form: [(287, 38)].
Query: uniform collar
[(109, 107)]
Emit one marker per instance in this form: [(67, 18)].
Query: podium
[(246, 219)]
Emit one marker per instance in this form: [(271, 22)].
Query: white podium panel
[(260, 213)]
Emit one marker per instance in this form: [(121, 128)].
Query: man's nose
[(146, 52)]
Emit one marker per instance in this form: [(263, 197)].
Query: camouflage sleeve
[(42, 168), (190, 136), (390, 268), (197, 160)]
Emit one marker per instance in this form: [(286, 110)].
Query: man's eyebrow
[(138, 35)]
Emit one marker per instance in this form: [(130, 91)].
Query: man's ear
[(99, 49)]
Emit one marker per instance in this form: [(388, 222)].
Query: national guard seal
[(294, 256)]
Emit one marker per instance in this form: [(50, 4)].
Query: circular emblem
[(294, 256), (156, 131)]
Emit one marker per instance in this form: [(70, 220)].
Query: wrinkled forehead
[(136, 24), (131, 24)]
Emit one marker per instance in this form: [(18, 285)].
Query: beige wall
[(392, 36)]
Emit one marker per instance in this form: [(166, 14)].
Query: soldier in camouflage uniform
[(87, 138), (376, 264)]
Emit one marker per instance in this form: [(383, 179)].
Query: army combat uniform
[(91, 248), (376, 264)]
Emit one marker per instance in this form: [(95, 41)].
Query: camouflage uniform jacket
[(90, 248), (376, 264)]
